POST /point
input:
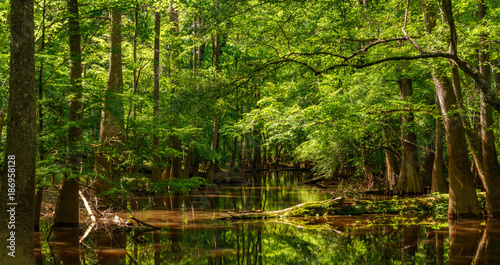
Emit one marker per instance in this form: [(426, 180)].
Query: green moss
[(433, 205)]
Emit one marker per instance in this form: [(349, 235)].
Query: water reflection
[(190, 233)]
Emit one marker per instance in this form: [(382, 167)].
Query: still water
[(191, 234)]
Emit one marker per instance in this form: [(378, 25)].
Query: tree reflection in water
[(190, 234)]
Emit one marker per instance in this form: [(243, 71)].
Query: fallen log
[(313, 180), (434, 205)]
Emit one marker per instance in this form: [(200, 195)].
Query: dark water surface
[(190, 234)]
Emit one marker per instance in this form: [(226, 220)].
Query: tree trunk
[(2, 118), (409, 177), (438, 181), (463, 198), (211, 163), (187, 163), (176, 161), (428, 165), (41, 149), (156, 176), (134, 72), (392, 171), (16, 202), (112, 113), (491, 178), (257, 157), (234, 153), (67, 210), (38, 207)]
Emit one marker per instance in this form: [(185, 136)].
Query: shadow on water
[(190, 234)]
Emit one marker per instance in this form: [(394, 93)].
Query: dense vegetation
[(162, 95)]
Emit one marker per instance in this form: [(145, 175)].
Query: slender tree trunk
[(41, 149), (176, 161), (187, 163), (2, 118), (233, 154), (211, 163), (16, 202), (409, 180), (156, 177), (134, 73), (112, 114), (257, 157)]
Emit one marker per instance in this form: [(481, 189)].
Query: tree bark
[(491, 178), (20, 152), (67, 210), (409, 178), (156, 177), (428, 165), (463, 198), (41, 149), (438, 181), (211, 163), (134, 72), (391, 171), (112, 113)]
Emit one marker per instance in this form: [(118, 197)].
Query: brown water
[(190, 234)]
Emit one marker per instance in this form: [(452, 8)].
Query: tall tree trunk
[(409, 180), (67, 209), (491, 178), (134, 72), (156, 177), (16, 202), (438, 181), (41, 149), (463, 199), (112, 114)]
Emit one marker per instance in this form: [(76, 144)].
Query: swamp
[(249, 132)]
